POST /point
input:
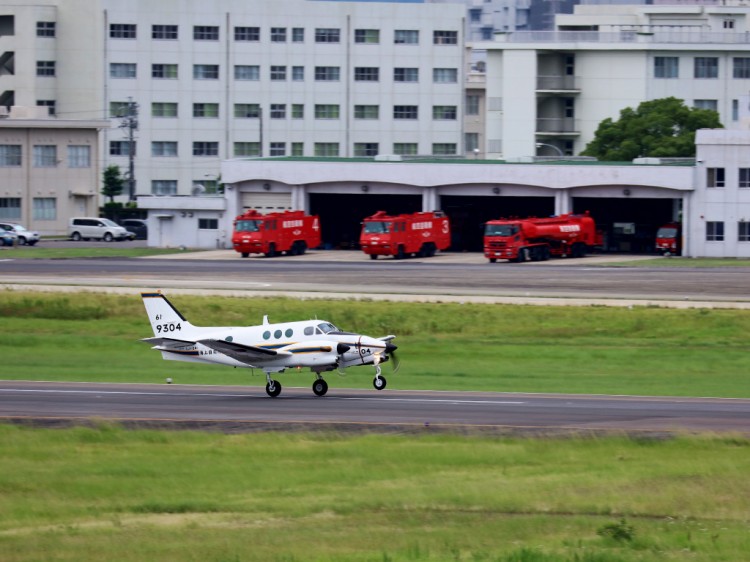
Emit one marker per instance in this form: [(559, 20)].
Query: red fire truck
[(400, 236), (292, 232), (538, 239), (669, 239)]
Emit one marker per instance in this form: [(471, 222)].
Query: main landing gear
[(320, 386)]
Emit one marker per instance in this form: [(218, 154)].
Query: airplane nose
[(390, 347)]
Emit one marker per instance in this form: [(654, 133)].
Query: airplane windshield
[(500, 229), (377, 227), (327, 327), (667, 232), (248, 226)]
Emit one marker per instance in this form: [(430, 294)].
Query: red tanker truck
[(669, 239), (292, 232), (399, 236), (538, 239)]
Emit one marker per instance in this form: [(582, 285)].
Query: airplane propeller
[(390, 350)]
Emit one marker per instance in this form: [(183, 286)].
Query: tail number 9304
[(168, 327)]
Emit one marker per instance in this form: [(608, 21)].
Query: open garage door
[(469, 213), (341, 214), (629, 225)]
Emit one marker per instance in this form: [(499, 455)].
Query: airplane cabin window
[(309, 331), (289, 332), (277, 334)]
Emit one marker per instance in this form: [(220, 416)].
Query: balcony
[(557, 84), (557, 127)]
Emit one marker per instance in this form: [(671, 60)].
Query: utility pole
[(130, 123)]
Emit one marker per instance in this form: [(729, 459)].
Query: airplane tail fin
[(165, 319)]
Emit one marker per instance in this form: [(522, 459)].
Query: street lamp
[(559, 152)]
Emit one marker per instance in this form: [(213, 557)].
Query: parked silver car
[(24, 236), (84, 228)]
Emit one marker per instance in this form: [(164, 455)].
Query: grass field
[(103, 493), (446, 346)]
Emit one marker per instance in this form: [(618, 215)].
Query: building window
[(44, 155), (365, 149), (164, 71), (247, 33), (10, 207), (79, 156), (741, 67), (278, 34), (714, 231), (666, 67), (366, 74), (246, 110), (368, 36), (163, 109), (278, 111), (246, 72), (164, 148), (445, 37), (367, 112), (49, 104), (735, 110), (715, 177), (246, 149), (120, 148), (208, 224), (206, 110), (405, 112), (206, 71), (327, 35), (45, 68), (163, 187), (164, 32), (118, 109), (122, 70), (326, 111), (443, 148), (706, 104), (471, 140), (298, 35), (444, 112), (327, 73), (445, 75), (277, 149), (122, 30), (206, 32), (406, 37), (44, 209), (10, 155), (728, 24), (744, 181), (472, 104), (298, 111), (298, 73), (706, 67), (326, 149), (743, 231), (406, 75), (278, 73), (203, 148), (405, 148), (298, 149), (45, 29)]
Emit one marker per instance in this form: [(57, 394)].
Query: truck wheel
[(373, 256), (245, 254), (301, 248), (493, 260), (271, 250), (432, 250), (400, 253)]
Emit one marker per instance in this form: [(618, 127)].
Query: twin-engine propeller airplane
[(271, 347)]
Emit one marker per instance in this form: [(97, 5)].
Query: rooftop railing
[(645, 35)]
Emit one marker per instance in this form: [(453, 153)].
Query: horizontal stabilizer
[(245, 353), (167, 342)]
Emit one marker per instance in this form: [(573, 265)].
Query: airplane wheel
[(275, 390), (320, 387), (379, 383)]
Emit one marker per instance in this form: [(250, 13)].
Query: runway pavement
[(245, 409)]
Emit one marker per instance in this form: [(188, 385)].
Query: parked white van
[(84, 228)]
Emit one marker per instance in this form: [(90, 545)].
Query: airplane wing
[(245, 353)]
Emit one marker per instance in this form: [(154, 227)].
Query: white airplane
[(271, 347)]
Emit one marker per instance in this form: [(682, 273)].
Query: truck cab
[(669, 239)]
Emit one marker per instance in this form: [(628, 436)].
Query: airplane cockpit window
[(377, 227), (248, 226), (327, 327)]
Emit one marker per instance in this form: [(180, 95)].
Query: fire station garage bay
[(628, 201)]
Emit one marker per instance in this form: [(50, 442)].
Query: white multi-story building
[(240, 78), (554, 88)]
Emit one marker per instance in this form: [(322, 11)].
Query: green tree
[(657, 128), (113, 182)]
